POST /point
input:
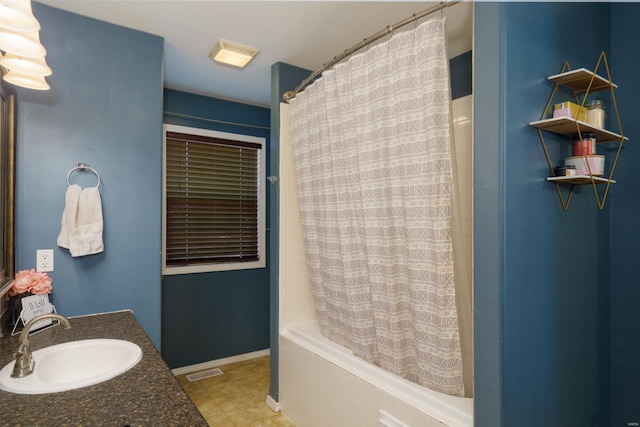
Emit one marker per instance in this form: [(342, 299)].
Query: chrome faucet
[(24, 365)]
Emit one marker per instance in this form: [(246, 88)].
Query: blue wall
[(284, 77), (541, 288), (625, 233), (488, 216), (461, 70), (211, 316), (104, 108)]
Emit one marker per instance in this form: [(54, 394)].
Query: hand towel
[(82, 224), (68, 222)]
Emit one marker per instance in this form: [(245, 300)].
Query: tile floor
[(237, 397)]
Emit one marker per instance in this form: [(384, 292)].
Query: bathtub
[(323, 383)]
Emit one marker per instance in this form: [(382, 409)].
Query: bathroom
[(555, 322)]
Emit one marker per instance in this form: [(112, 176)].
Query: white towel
[(81, 225)]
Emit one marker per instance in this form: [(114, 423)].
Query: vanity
[(146, 395)]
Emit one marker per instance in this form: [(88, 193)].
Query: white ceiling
[(306, 34)]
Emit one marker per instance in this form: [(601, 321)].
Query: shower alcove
[(311, 389), (329, 386)]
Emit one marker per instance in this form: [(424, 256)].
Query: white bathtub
[(323, 383)]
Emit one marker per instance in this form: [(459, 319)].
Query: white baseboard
[(271, 403), (219, 362)]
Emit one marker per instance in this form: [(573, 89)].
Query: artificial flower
[(32, 282)]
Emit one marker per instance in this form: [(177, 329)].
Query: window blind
[(212, 196)]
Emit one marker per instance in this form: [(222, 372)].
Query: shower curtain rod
[(289, 95)]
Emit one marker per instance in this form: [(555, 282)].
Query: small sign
[(32, 306), (35, 305)]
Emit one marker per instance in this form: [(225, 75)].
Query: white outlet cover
[(44, 261)]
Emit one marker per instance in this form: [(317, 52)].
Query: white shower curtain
[(371, 142)]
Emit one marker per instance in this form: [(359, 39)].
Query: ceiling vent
[(231, 53)]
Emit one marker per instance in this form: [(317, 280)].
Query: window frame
[(204, 268)]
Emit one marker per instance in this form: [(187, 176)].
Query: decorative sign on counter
[(33, 306)]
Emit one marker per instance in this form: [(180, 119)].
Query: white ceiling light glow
[(33, 66), (22, 44), (231, 53), (26, 80), (16, 15), (22, 54)]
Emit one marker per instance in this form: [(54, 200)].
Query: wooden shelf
[(569, 126), (585, 82), (579, 179), (579, 79)]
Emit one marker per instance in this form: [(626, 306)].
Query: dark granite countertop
[(146, 395)]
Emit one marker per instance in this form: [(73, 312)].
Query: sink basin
[(73, 365)]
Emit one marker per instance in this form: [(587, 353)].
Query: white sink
[(73, 365)]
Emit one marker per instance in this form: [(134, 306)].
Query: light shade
[(16, 15), (26, 80), (231, 53), (26, 45), (32, 66)]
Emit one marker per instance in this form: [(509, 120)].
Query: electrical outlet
[(44, 262)]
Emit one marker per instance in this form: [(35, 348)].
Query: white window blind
[(212, 200)]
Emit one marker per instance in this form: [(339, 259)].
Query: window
[(213, 204)]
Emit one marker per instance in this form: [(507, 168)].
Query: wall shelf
[(580, 179), (582, 82), (580, 79), (567, 126)]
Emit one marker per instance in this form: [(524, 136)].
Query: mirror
[(7, 185)]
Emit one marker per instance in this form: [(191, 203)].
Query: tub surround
[(147, 394), (321, 380), (303, 370)]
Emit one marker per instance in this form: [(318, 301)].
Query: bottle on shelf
[(595, 113)]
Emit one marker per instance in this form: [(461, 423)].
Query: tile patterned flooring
[(237, 397)]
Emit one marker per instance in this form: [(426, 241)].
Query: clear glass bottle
[(595, 113)]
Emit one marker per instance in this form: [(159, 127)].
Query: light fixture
[(21, 53), (232, 53), (16, 15), (26, 45), (32, 66), (26, 80)]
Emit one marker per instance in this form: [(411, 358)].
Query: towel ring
[(83, 167)]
